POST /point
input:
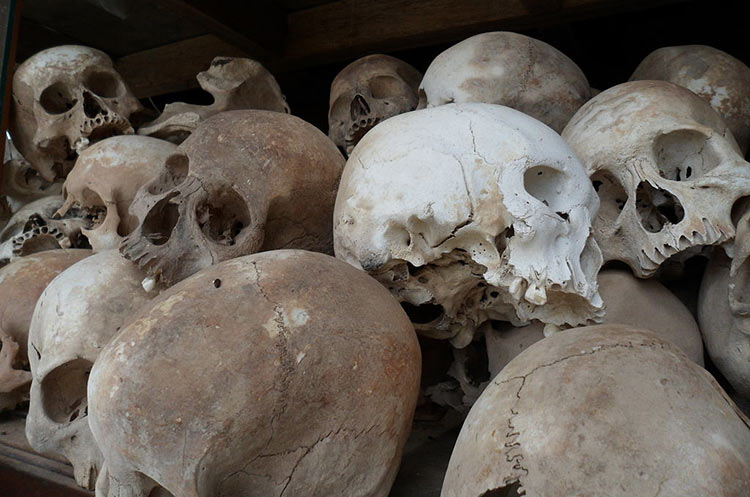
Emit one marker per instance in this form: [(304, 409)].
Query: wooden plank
[(172, 67), (348, 28), (257, 27)]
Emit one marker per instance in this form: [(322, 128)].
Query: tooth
[(550, 329), (148, 283), (536, 295), (516, 288), (711, 233)]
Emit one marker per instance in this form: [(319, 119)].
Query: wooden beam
[(171, 68), (10, 16), (257, 27), (349, 28)]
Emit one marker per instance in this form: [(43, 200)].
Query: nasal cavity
[(657, 207), (90, 105), (359, 107)]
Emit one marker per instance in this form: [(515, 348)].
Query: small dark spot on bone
[(217, 283)]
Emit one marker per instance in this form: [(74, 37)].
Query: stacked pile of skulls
[(477, 208)]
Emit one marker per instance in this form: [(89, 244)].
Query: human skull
[(716, 76), (602, 410), (35, 228), (104, 182), (20, 183), (507, 69), (659, 311), (502, 232), (366, 92), (244, 181), (666, 168), (65, 98), (724, 311), (75, 317), (234, 83), (305, 384), (21, 284)]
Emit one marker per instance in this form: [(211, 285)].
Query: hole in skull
[(657, 207), (177, 166), (612, 196), (95, 211), (91, 106), (386, 86), (161, 220), (545, 184), (104, 84), (56, 99), (422, 314), (217, 283), (64, 391), (223, 217), (476, 363), (684, 155), (507, 491), (358, 108)]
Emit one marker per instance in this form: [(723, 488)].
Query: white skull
[(75, 317), (716, 76), (507, 69), (602, 410), (104, 182), (65, 98), (469, 212), (366, 92), (724, 311), (21, 284), (280, 373), (35, 228), (666, 168), (244, 181), (234, 83)]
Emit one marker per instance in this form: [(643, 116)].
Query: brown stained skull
[(717, 77), (602, 410), (104, 182), (366, 92), (65, 98), (21, 284), (75, 317), (244, 181), (20, 183), (283, 373), (234, 83), (36, 227)]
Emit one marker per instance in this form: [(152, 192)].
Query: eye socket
[(684, 155), (57, 99), (223, 217), (338, 111), (385, 86), (545, 184), (103, 84), (64, 391)]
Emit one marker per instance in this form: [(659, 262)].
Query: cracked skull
[(602, 410), (507, 69), (65, 98), (234, 83), (666, 168), (366, 92), (104, 182), (21, 284), (502, 231), (244, 181), (35, 228), (716, 76), (305, 383), (75, 317)]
